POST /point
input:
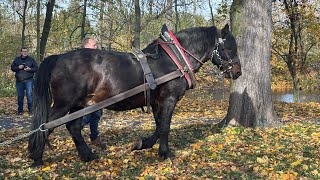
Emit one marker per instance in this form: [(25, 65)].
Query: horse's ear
[(225, 30)]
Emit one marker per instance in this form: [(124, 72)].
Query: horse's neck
[(196, 55)]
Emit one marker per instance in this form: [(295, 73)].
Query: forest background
[(115, 24), (49, 27)]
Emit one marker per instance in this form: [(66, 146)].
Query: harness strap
[(109, 101), (151, 83), (175, 60), (145, 67), (173, 48)]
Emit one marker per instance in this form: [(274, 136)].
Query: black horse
[(69, 82)]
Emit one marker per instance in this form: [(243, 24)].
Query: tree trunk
[(24, 24), (38, 29), (169, 13), (83, 23), (101, 23), (293, 54), (211, 12), (46, 28), (250, 101), (177, 16), (137, 28)]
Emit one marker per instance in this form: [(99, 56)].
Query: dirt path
[(12, 121)]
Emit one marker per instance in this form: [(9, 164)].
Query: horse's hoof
[(137, 145), (37, 163), (166, 155), (90, 157)]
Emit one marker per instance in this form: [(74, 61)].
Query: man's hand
[(27, 68), (21, 66)]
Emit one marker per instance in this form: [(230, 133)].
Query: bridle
[(215, 53)]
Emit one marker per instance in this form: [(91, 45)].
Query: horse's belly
[(134, 102)]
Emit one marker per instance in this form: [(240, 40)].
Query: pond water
[(282, 96), (288, 96)]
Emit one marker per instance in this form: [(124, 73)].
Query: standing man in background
[(93, 118), (24, 66)]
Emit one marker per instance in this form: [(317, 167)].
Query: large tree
[(46, 28), (250, 101)]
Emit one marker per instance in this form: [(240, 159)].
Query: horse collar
[(178, 54)]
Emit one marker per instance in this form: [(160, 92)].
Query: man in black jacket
[(24, 66)]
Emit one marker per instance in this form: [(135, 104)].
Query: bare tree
[(83, 22), (290, 46), (46, 27), (38, 29), (137, 29), (24, 24)]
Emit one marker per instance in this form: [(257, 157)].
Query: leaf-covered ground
[(289, 152)]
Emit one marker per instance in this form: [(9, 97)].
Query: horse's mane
[(187, 37)]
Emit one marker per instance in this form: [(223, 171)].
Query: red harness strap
[(175, 60), (175, 40), (173, 56)]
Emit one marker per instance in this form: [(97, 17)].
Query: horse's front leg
[(74, 127), (166, 112), (148, 142), (162, 111)]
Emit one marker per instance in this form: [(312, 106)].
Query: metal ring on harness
[(42, 130)]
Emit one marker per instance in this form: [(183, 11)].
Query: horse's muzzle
[(235, 71)]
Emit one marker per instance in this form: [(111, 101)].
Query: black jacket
[(21, 74)]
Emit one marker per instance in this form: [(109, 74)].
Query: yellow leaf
[(294, 164), (263, 160), (111, 148), (305, 167), (109, 161), (46, 168), (213, 156)]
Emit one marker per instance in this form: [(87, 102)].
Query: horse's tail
[(41, 106)]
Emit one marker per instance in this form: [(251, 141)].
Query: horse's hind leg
[(55, 113), (74, 127)]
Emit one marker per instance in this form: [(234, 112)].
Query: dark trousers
[(22, 88), (93, 119)]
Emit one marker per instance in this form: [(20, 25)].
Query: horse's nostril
[(239, 73)]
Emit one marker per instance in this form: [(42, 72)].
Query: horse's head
[(225, 56)]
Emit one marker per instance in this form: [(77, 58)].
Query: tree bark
[(211, 12), (38, 29), (24, 24), (177, 16), (250, 101), (169, 13), (137, 28), (46, 28), (83, 23)]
